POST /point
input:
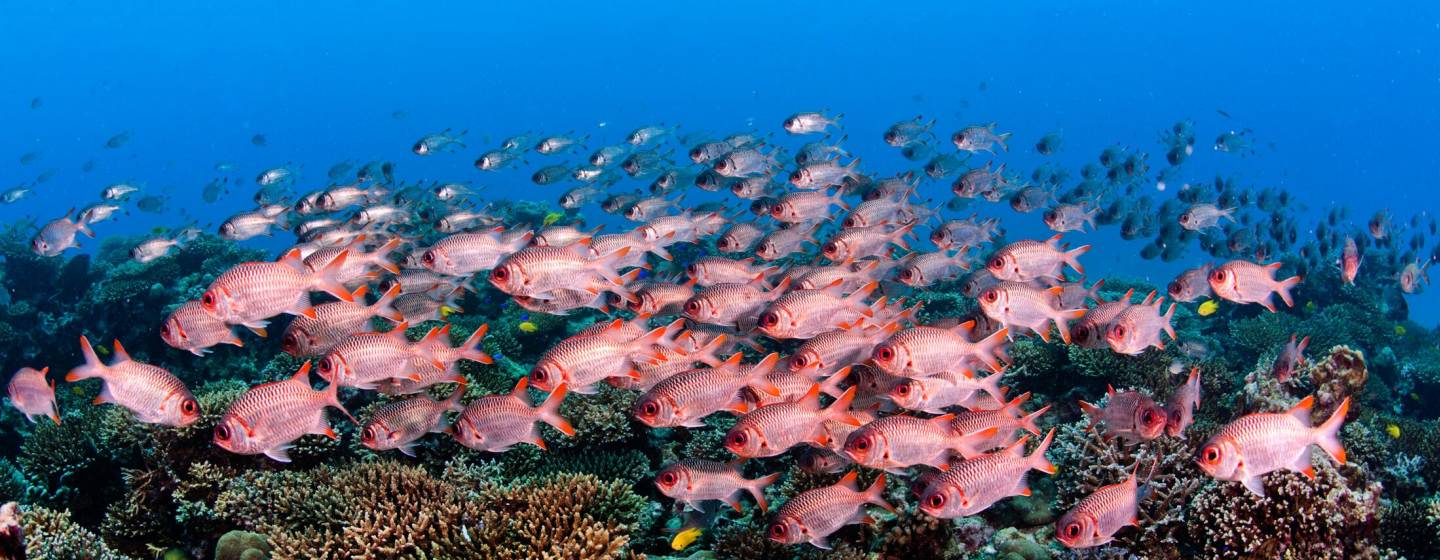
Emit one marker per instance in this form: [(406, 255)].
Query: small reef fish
[(1247, 282), (268, 418), (1257, 444), (972, 486), (1097, 517), (32, 394), (495, 423), (813, 515), (694, 481), (1128, 415), (400, 424)]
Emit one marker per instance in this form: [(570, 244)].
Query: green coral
[(53, 535), (242, 545)]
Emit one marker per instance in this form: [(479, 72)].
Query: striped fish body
[(463, 254), (1247, 282), (926, 351), (32, 394), (662, 299), (775, 428), (805, 206), (972, 486), (829, 352), (400, 424), (583, 361), (1139, 327), (269, 417), (419, 282), (803, 314), (709, 271), (731, 305), (929, 268), (635, 249), (534, 271), (1090, 330), (425, 374), (358, 266), (851, 276), (1014, 304), (1258, 444), (1182, 405), (153, 394), (855, 243), (741, 237), (935, 393), (686, 398), (495, 423), (1128, 415), (813, 515), (1029, 259), (692, 481), (1096, 518), (365, 360), (250, 293), (783, 242), (190, 327), (899, 442), (419, 308), (333, 323)]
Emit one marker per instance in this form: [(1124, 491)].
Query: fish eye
[(499, 274), (668, 478), (902, 389), (368, 434), (290, 341), (208, 300), (770, 319), (165, 330), (539, 375), (777, 531), (890, 136), (795, 177), (991, 295), (1184, 218), (692, 307), (831, 248), (936, 500), (789, 123), (1072, 530), (692, 270), (1174, 288), (1148, 417), (1049, 215), (325, 366), (884, 353), (1217, 276), (190, 407), (1117, 330), (222, 432), (721, 165), (862, 444), (738, 439), (907, 274), (997, 263), (1211, 454), (959, 137), (650, 409), (799, 361)]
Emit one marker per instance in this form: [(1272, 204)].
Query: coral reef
[(51, 534)]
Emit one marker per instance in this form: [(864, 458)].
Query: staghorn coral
[(559, 517), (53, 535), (1336, 515)]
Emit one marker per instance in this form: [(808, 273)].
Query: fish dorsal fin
[(303, 375), (943, 420), (121, 355), (812, 396), (1017, 449), (1110, 390), (291, 257), (850, 480), (733, 360), (521, 390), (1301, 410)]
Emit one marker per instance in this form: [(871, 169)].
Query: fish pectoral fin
[(1255, 484), (408, 449), (279, 454)]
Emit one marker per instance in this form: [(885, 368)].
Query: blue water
[(1341, 96)]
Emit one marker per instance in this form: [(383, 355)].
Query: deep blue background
[(1346, 93)]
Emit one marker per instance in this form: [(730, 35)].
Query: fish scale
[(497, 422), (271, 415), (463, 254), (191, 327), (686, 398), (823, 511), (739, 238), (905, 441), (726, 304), (584, 360), (830, 351), (697, 480), (806, 313), (1095, 518), (784, 425), (662, 299), (409, 420), (154, 394), (536, 270)]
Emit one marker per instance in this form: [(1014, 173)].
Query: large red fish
[(153, 394), (1257, 444), (32, 394), (495, 423), (814, 514), (250, 293), (269, 417), (692, 481), (1247, 282), (1096, 518), (972, 486)]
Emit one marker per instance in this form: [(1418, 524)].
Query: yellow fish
[(446, 311), (1208, 308), (551, 218), (1393, 430), (685, 538), (1400, 330), (528, 327)]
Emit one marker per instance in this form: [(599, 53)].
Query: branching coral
[(51, 534), (1334, 516)]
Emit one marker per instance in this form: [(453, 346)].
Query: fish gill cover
[(737, 281)]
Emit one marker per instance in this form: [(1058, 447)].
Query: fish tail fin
[(1327, 435), (331, 394), (384, 307), (839, 410), (327, 279), (757, 487), (1167, 325), (470, 349), (1037, 458), (1072, 257), (1062, 322), (991, 385), (1002, 139), (384, 250), (875, 494), (991, 349), (549, 411), (93, 366), (1284, 286), (1027, 422)]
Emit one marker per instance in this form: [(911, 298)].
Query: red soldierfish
[(813, 515), (1182, 405), (32, 395), (686, 398), (732, 305), (972, 486), (1009, 420), (946, 389), (437, 362), (1349, 261), (153, 394), (692, 481), (898, 442), (269, 417), (1138, 327), (1091, 330), (59, 235), (533, 271), (1128, 415), (1191, 284), (1095, 520), (464, 254), (336, 321), (775, 428), (1247, 282), (803, 314), (495, 423), (400, 424), (250, 293), (1290, 358), (1014, 304), (366, 360), (1026, 260), (827, 353), (585, 360), (190, 327), (925, 351), (1257, 444)]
